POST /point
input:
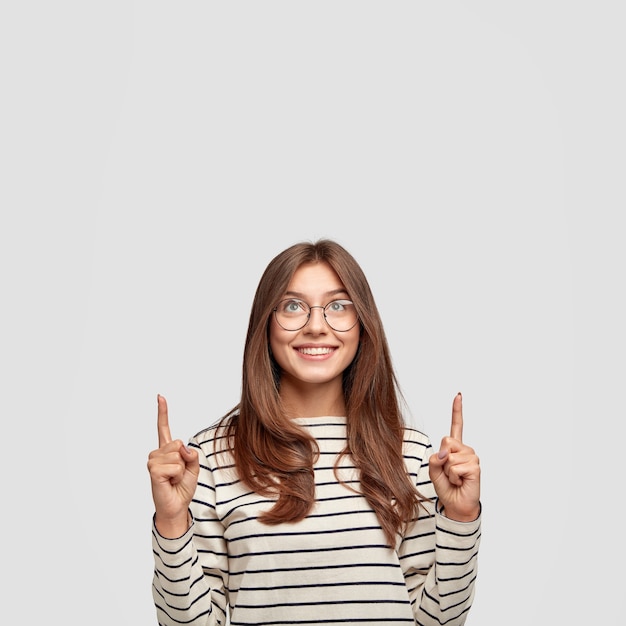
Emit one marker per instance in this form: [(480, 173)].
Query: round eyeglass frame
[(308, 315)]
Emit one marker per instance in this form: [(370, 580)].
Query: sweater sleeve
[(439, 559), (190, 572)]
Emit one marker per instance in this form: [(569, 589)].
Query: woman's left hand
[(455, 471)]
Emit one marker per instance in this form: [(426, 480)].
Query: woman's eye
[(293, 306)]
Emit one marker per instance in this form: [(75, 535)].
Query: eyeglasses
[(293, 314)]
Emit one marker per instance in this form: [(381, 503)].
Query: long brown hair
[(273, 455)]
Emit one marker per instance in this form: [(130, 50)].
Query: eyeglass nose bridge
[(317, 306)]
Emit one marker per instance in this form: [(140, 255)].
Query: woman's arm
[(439, 557), (191, 571)]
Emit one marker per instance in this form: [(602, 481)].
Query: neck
[(312, 400)]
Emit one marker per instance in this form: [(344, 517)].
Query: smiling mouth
[(315, 351)]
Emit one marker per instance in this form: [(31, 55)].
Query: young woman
[(312, 501)]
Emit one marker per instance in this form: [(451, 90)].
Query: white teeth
[(314, 351)]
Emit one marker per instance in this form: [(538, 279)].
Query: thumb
[(437, 461), (190, 456)]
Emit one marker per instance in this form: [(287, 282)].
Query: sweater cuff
[(448, 522), (177, 542)]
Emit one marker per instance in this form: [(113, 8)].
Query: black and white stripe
[(333, 567)]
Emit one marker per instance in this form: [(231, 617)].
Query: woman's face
[(315, 354)]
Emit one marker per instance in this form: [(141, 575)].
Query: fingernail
[(442, 454)]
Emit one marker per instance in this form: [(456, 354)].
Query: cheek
[(277, 341), (354, 343)]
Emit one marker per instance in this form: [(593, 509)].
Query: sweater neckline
[(322, 419)]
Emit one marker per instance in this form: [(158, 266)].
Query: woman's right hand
[(174, 470)]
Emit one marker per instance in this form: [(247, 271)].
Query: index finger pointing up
[(456, 428), (163, 425)]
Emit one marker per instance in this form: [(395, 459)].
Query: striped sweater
[(333, 567)]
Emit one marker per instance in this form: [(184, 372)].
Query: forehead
[(315, 279)]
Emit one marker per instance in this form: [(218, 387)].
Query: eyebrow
[(328, 294)]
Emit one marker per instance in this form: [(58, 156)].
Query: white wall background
[(156, 155)]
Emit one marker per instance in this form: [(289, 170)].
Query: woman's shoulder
[(417, 444), (415, 435), (214, 435)]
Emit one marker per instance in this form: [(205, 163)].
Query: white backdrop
[(156, 155)]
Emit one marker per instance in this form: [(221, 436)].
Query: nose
[(317, 321)]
